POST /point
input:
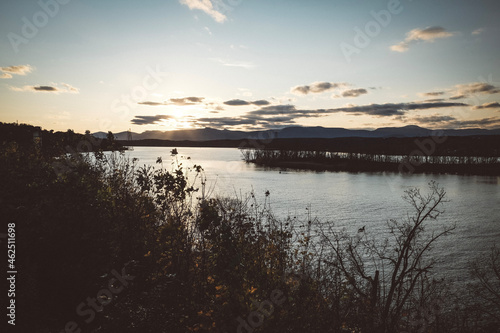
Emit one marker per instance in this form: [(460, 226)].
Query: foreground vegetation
[(106, 246)]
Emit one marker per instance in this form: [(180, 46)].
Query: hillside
[(207, 134)]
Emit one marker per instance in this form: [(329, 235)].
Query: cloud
[(376, 110), (149, 103), (433, 100), (236, 102), (316, 88), (71, 89), (17, 70), (176, 101), (255, 121), (321, 87), (217, 107), (239, 102), (261, 102), (450, 122), (186, 100), (148, 120), (282, 115), (429, 34), (485, 122), (276, 110), (465, 90), (477, 31), (457, 97), (434, 119), (66, 88), (232, 63), (354, 92), (432, 93), (44, 88), (492, 105), (225, 121), (206, 6)]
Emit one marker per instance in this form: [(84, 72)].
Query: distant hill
[(296, 132)]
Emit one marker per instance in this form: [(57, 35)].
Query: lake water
[(353, 200)]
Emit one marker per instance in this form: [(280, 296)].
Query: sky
[(249, 64)]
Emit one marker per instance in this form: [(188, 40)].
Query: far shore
[(346, 166), (481, 148)]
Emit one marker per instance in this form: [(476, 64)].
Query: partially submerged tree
[(388, 280)]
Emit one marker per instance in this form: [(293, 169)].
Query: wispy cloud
[(278, 116), (261, 102), (6, 72), (239, 102), (149, 103), (354, 92), (148, 120), (317, 88), (465, 90), (176, 101), (376, 110), (492, 105), (491, 122), (434, 119), (432, 94), (206, 6), (66, 88), (246, 121), (393, 109), (186, 101), (451, 122), (429, 34), (433, 100), (235, 63), (477, 31)]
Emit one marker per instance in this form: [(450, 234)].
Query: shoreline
[(346, 166)]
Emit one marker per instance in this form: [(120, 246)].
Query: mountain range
[(296, 132)]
